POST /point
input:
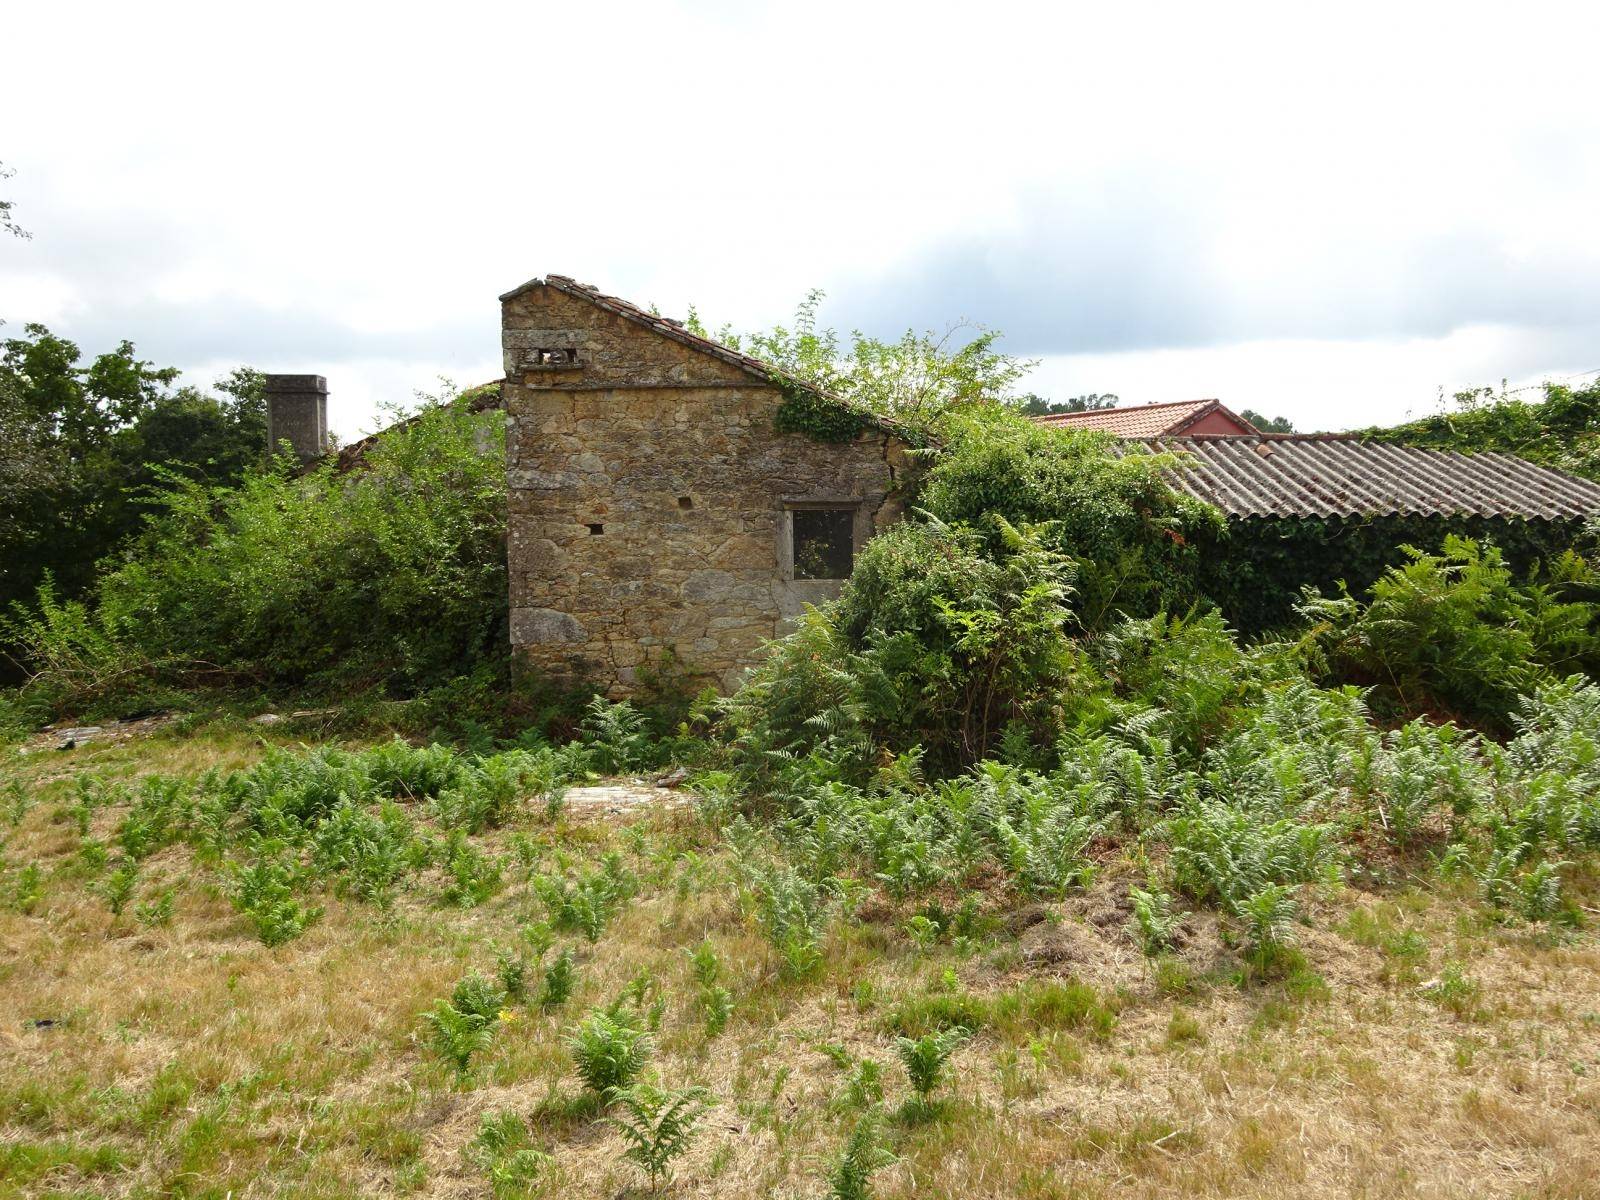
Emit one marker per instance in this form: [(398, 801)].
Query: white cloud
[(1271, 197)]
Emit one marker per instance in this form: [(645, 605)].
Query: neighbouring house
[(669, 504), (1178, 418)]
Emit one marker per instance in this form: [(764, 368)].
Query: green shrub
[(1453, 629), (1137, 542), (505, 1153), (864, 1155), (392, 576), (925, 1058), (609, 1050), (657, 1124), (457, 1036), (559, 978), (935, 642)]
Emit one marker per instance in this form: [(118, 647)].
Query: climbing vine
[(819, 417)]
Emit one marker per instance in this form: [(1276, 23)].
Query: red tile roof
[(1146, 420)]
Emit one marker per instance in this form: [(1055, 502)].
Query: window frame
[(786, 534)]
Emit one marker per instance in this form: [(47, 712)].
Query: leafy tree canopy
[(82, 443), (1562, 430), (1033, 405), (1267, 424), (914, 379)]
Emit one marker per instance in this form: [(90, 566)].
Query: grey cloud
[(1140, 272)]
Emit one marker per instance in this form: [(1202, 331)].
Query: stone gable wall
[(649, 490)]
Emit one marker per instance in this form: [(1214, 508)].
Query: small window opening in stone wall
[(596, 529), (685, 502), (561, 357), (824, 542)]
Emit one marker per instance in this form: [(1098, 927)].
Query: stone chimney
[(297, 413)]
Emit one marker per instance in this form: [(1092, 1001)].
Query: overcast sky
[(1324, 211)]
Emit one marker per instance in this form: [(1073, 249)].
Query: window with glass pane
[(824, 542)]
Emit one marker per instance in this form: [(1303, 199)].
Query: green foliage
[(933, 643), (925, 1058), (832, 391), (265, 892), (504, 1151), (390, 576), (1562, 430), (457, 1036), (617, 736), (559, 979), (476, 996), (863, 1156), (586, 904), (1136, 541), (609, 1050), (118, 887), (1454, 629), (1153, 922), (1258, 573), (657, 1124), (81, 445)]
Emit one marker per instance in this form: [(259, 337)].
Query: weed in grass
[(864, 1155), (264, 892), (504, 1151), (511, 969), (609, 1049), (476, 996), (657, 1124), (118, 887), (1154, 923), (26, 890), (1454, 990), (926, 1057), (559, 979), (157, 911), (473, 876), (457, 1036)]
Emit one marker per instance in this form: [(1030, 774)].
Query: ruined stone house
[(661, 509), (656, 506)]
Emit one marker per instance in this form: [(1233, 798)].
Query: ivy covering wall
[(1262, 563)]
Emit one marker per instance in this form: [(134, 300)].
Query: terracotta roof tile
[(1144, 420)]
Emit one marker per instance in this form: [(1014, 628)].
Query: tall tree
[(1033, 405), (7, 223), (81, 443), (1267, 424)]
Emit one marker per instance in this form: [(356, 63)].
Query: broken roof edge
[(676, 331)]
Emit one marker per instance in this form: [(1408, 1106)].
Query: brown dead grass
[(209, 1064)]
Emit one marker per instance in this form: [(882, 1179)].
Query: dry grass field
[(1415, 1048)]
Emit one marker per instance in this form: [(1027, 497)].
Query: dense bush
[(937, 642), (1137, 542), (390, 576), (1456, 630)]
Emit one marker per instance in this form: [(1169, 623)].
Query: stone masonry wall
[(648, 497)]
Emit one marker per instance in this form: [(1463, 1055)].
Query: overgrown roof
[(1169, 418), (1345, 475)]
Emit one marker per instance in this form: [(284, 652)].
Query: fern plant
[(863, 1156), (657, 1124), (1154, 922), (609, 1049), (926, 1057), (457, 1036), (505, 1153), (559, 979)]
